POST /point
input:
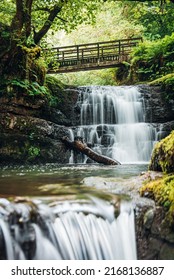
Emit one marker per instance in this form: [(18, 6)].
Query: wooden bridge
[(92, 56)]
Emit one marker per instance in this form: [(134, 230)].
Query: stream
[(64, 211)]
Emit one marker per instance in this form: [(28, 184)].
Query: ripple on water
[(27, 180)]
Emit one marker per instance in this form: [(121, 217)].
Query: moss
[(35, 65), (61, 96), (55, 88), (162, 191), (122, 73), (52, 80), (33, 152), (163, 155), (167, 84), (163, 80)]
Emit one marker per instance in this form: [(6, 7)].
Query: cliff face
[(158, 110), (31, 128)]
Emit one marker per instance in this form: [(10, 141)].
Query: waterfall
[(112, 120), (67, 230)]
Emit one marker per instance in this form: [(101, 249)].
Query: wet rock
[(158, 109), (154, 246), (29, 139), (167, 252), (148, 218), (158, 218)]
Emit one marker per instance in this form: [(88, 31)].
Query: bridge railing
[(93, 52)]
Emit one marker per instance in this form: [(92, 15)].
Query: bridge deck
[(90, 56)]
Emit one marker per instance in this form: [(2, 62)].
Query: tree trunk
[(79, 145)]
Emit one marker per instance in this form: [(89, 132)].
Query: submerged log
[(80, 146)]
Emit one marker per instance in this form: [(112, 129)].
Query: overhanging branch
[(53, 14)]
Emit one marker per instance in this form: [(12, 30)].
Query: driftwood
[(80, 146)]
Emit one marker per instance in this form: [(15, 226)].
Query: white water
[(75, 231), (112, 119)]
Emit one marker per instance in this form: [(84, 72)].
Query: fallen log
[(80, 146)]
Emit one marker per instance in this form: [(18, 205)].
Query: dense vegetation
[(23, 26), (27, 25), (127, 19), (153, 59)]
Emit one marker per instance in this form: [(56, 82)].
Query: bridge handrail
[(100, 43)]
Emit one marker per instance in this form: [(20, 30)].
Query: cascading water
[(112, 120), (66, 230)]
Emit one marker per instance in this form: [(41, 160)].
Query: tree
[(24, 23), (155, 16)]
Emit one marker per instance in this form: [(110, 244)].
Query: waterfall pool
[(30, 180)]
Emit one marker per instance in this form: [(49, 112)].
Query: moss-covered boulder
[(162, 191), (167, 86), (163, 155)]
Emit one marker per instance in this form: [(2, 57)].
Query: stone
[(158, 109), (167, 252), (148, 218)]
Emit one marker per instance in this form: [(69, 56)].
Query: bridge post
[(77, 53), (119, 47), (57, 53), (98, 51)]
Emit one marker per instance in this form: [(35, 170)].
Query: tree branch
[(80, 146), (62, 19), (45, 9), (53, 14)]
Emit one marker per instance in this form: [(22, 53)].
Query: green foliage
[(151, 60), (109, 25), (31, 88), (55, 88), (33, 151), (7, 10), (71, 13), (154, 16), (93, 77), (107, 20), (162, 191)]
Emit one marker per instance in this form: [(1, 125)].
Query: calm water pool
[(30, 180)]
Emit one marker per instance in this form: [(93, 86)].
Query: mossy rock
[(163, 155), (167, 85), (162, 191), (122, 73)]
